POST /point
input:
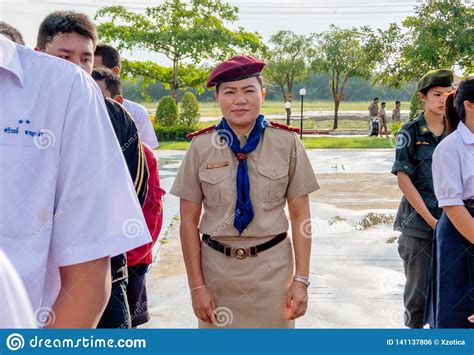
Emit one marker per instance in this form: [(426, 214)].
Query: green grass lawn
[(210, 109), (344, 124), (315, 143)]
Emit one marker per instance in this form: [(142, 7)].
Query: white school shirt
[(15, 307), (142, 121), (453, 168), (66, 195)]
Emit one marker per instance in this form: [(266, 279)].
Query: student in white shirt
[(452, 287), (106, 56), (65, 210), (15, 307)]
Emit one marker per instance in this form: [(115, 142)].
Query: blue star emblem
[(27, 121), (20, 121)]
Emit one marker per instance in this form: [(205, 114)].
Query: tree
[(286, 61), (167, 112), (181, 30), (189, 75), (438, 36), (189, 110), (345, 53)]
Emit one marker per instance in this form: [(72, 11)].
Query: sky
[(264, 16)]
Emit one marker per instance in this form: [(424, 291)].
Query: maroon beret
[(236, 68)]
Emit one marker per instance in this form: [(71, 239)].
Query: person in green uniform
[(418, 212)]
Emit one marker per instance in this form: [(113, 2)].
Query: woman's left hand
[(297, 300)]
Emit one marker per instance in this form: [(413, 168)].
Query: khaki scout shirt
[(279, 169), (373, 110), (396, 114)]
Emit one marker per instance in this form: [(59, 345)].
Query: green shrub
[(189, 110), (172, 133), (395, 128), (416, 106), (167, 112)]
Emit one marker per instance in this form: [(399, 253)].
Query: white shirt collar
[(9, 59), (465, 133)]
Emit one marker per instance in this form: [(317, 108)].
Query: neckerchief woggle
[(243, 214)]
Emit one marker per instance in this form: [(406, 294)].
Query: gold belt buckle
[(240, 253)]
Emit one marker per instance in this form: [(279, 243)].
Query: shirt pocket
[(425, 152), (27, 189), (424, 155), (272, 182), (216, 186)]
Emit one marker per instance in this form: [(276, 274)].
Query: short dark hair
[(110, 56), (464, 92), (376, 98), (65, 22), (425, 91), (397, 102), (12, 32), (112, 81), (260, 79)]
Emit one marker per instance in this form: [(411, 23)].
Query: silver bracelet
[(197, 288)]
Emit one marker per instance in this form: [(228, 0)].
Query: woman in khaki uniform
[(245, 272)]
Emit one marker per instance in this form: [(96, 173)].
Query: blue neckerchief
[(243, 214)]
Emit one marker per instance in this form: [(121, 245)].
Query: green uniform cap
[(440, 77)]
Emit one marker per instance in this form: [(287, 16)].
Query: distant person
[(383, 120), (396, 116), (374, 124), (11, 33), (374, 108), (106, 56), (139, 259), (109, 83)]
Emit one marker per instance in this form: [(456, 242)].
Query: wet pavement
[(357, 276)]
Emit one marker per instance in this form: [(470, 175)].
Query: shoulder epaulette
[(284, 126), (201, 131)]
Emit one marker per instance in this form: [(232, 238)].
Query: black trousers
[(117, 312), (137, 295), (416, 254)]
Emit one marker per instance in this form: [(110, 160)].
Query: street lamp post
[(288, 112), (302, 94)]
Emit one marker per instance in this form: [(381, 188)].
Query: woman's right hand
[(433, 223), (203, 304)]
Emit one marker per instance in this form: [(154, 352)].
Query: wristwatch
[(302, 279)]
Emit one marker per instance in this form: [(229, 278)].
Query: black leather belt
[(242, 253)]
